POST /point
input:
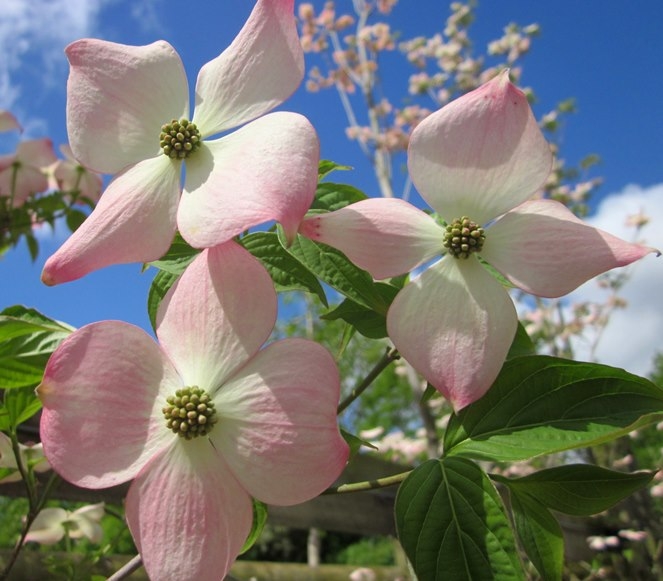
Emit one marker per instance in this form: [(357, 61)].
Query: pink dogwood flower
[(23, 173), (32, 456), (52, 524), (70, 176), (128, 114), (477, 162), (201, 421)]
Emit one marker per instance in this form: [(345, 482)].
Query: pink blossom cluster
[(34, 168)]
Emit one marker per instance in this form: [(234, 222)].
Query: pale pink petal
[(544, 249), (134, 221), (481, 154), (385, 236), (47, 528), (188, 514), (84, 522), (21, 182), (8, 122), (454, 324), (70, 176), (267, 170), (36, 152), (260, 69), (93, 512), (217, 315), (118, 97), (278, 428), (102, 420)]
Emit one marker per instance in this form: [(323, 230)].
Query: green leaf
[(75, 218), (325, 167), (369, 323), (333, 267), (259, 519), (452, 524), (539, 405), (158, 289), (286, 271), (178, 257), (578, 489), (27, 339), (21, 404), (522, 344), (355, 443), (429, 393), (540, 535), (33, 246), (330, 196)]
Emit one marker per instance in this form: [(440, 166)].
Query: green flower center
[(190, 413), (463, 237), (179, 139)]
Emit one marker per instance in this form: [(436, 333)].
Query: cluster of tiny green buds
[(179, 139), (190, 412), (463, 237)]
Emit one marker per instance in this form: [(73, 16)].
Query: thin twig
[(122, 573), (369, 484), (390, 355)]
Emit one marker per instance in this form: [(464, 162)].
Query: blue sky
[(608, 55)]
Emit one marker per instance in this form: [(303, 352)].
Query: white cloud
[(34, 33), (634, 334), (39, 29)]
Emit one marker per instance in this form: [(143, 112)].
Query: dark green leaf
[(355, 443), (452, 524), (369, 323), (578, 489), (286, 271), (540, 535), (74, 219), (330, 197), (333, 267), (539, 405), (178, 257), (160, 286), (522, 344), (429, 393), (33, 246)]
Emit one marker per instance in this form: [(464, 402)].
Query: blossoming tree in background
[(212, 428)]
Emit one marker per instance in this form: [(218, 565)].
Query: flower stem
[(390, 355), (123, 572), (369, 484)]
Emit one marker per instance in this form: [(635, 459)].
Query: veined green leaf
[(178, 257), (368, 322), (333, 268), (21, 404), (539, 405), (578, 489), (286, 271), (453, 526), (27, 339), (540, 535), (330, 196)]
